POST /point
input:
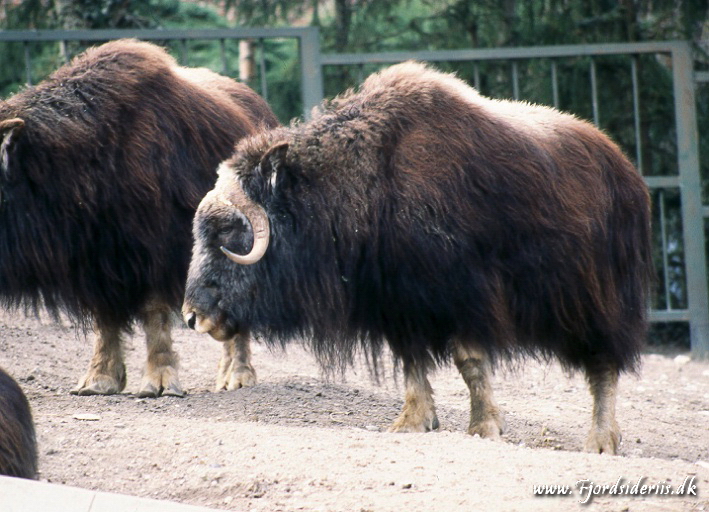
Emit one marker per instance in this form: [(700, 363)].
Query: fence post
[(691, 187), (311, 70)]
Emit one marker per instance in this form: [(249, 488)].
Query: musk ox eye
[(224, 230)]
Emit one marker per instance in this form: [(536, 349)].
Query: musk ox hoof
[(408, 423), (235, 377), (491, 428), (603, 441), (94, 383), (161, 381)]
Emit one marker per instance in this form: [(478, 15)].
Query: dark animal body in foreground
[(102, 166), (417, 213), (18, 444)]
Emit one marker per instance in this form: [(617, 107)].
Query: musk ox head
[(230, 227)]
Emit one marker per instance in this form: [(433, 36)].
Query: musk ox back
[(102, 166), (18, 444), (418, 213)]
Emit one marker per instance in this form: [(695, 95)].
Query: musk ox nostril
[(191, 319)]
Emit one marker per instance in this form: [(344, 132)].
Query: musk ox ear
[(8, 132), (272, 160)]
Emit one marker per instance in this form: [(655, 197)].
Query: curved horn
[(258, 219)]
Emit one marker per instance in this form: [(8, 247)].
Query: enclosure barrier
[(307, 37), (684, 181)]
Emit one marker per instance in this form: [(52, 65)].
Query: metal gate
[(682, 294)]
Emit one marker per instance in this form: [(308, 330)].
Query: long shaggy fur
[(100, 186), (18, 444), (416, 211)]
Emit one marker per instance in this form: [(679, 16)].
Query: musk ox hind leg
[(107, 372), (160, 374), (419, 411), (485, 417), (235, 370), (604, 436)]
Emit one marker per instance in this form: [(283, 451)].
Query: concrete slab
[(21, 495)]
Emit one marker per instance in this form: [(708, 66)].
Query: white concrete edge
[(21, 495)]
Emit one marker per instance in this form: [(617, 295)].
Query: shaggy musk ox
[(18, 444), (418, 213), (102, 166)]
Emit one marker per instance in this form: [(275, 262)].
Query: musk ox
[(18, 444), (102, 166), (417, 213)]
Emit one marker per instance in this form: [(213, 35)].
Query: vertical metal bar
[(594, 93), (64, 51), (222, 51), (665, 258), (28, 63), (262, 69), (311, 70), (691, 187), (515, 80), (476, 75), (554, 84), (636, 114), (183, 52), (360, 73)]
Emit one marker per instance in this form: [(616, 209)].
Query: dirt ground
[(299, 441)]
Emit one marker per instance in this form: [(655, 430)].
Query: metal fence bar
[(636, 114), (692, 209), (594, 93), (28, 63), (262, 69), (311, 70), (515, 80), (222, 54), (665, 262), (554, 84), (524, 52)]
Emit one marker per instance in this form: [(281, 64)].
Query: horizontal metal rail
[(479, 54)]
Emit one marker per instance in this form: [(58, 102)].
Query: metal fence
[(603, 74), (307, 38)]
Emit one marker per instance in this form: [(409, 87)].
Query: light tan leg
[(604, 436), (485, 417), (419, 411), (235, 370), (107, 373), (160, 375)]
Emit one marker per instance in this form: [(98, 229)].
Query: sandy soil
[(299, 441)]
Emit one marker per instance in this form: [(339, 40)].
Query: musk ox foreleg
[(419, 411), (107, 372), (485, 417), (235, 370), (604, 436), (160, 375)]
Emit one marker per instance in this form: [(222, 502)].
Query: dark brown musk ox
[(18, 443), (419, 214), (102, 166)]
